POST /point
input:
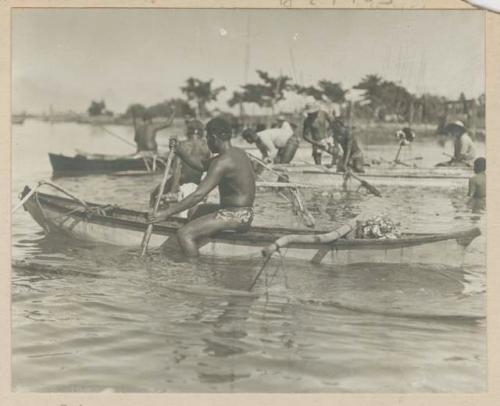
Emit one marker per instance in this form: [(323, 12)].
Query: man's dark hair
[(219, 128), (479, 165), (248, 133), (260, 127)]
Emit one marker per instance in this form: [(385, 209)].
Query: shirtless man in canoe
[(145, 134), (195, 146), (231, 171)]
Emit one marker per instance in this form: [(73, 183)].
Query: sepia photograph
[(248, 201)]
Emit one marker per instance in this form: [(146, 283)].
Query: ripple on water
[(96, 318)]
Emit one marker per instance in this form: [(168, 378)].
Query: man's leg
[(288, 152), (200, 228), (358, 165)]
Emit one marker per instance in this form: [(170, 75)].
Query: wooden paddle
[(372, 189), (149, 230), (364, 183)]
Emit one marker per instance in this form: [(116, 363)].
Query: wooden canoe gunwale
[(258, 236), (63, 165)]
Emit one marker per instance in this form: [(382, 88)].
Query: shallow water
[(92, 318)]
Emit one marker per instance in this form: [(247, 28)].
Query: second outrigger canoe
[(85, 164), (110, 224)]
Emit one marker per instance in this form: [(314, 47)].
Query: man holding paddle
[(352, 154), (317, 131), (231, 171), (195, 147)]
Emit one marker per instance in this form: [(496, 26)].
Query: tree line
[(381, 100)]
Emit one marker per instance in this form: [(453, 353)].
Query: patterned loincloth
[(241, 215)]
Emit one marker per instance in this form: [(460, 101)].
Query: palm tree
[(272, 90), (332, 91), (201, 92), (311, 91), (238, 98), (372, 85)]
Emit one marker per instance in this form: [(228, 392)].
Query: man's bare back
[(237, 183)]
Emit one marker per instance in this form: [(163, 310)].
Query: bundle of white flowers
[(378, 227)]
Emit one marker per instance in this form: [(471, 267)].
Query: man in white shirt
[(464, 150), (277, 145)]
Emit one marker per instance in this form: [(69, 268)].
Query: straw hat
[(312, 108), (457, 124)]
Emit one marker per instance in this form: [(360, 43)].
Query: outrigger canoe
[(319, 175), (110, 224), (84, 164)]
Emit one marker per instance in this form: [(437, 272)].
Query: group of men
[(327, 133), (207, 158)]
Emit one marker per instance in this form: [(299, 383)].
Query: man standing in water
[(352, 154), (195, 147), (477, 184), (145, 133), (232, 172), (317, 131)]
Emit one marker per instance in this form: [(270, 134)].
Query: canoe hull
[(81, 165), (122, 227)]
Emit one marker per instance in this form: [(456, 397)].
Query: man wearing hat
[(317, 130), (464, 151)]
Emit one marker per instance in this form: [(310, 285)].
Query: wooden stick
[(149, 230), (330, 237), (257, 275), (372, 189), (306, 216), (327, 238), (285, 185), (117, 136), (25, 199)]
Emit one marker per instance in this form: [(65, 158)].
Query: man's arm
[(262, 148), (306, 134), (472, 187), (213, 178), (162, 126), (347, 153), (268, 144), (457, 153)]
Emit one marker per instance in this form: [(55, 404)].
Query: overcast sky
[(68, 57)]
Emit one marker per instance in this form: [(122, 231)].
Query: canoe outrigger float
[(123, 227)]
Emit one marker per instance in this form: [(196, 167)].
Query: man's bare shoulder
[(232, 156)]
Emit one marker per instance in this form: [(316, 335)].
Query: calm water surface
[(96, 318)]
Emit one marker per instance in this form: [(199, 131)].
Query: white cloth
[(275, 138)]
